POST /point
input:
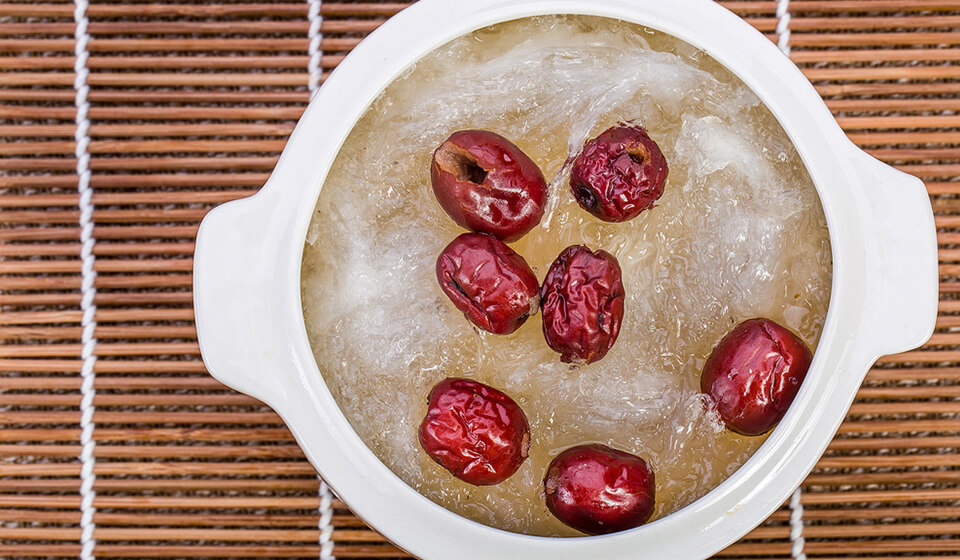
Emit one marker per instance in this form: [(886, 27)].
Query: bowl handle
[(234, 268), (902, 286)]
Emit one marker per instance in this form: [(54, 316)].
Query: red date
[(619, 174), (597, 489), (487, 184), (489, 282), (474, 431), (753, 375), (582, 304)]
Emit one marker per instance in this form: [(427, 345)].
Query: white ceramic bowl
[(252, 334)]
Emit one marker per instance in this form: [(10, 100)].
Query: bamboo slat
[(200, 10), (191, 105)]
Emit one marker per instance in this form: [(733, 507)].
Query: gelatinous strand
[(597, 489), (619, 174), (487, 184), (582, 304), (493, 286), (754, 373), (474, 431)]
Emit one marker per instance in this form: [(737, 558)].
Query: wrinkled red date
[(619, 174), (597, 489), (582, 304), (754, 374), (487, 184), (474, 431), (489, 282)]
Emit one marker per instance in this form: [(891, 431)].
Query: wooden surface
[(192, 103)]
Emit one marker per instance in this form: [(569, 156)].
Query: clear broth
[(738, 233)]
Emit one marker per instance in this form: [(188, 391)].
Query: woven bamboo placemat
[(190, 106)]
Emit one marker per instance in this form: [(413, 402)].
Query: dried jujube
[(582, 304), (754, 373), (474, 431), (619, 174), (489, 282), (598, 489), (488, 185)]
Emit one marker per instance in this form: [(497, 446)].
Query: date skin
[(582, 304), (488, 185), (754, 374), (489, 282), (474, 431), (597, 489), (619, 174)]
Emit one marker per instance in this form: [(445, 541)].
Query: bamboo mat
[(191, 104)]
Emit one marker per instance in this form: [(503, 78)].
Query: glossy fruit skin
[(488, 185), (489, 282), (474, 431), (619, 174), (582, 304), (597, 489), (754, 374)]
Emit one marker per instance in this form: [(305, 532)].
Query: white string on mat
[(88, 288), (314, 50), (783, 25), (797, 541), (326, 522)]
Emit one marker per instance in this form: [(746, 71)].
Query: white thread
[(88, 289), (314, 50), (797, 541), (325, 524), (783, 25)]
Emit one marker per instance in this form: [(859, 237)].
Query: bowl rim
[(281, 214)]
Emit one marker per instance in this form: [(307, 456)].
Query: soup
[(738, 233)]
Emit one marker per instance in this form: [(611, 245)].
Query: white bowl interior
[(346, 368)]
